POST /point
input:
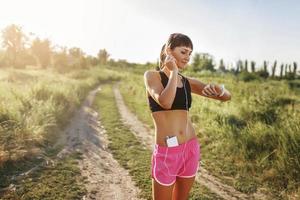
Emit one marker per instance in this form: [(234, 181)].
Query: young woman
[(176, 154)]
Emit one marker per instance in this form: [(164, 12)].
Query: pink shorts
[(171, 162)]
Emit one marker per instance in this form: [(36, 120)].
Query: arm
[(200, 88), (163, 96)]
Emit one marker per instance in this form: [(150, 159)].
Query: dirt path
[(203, 176), (106, 179)]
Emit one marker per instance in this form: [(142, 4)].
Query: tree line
[(20, 50), (248, 69)]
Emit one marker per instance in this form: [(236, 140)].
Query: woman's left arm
[(209, 90)]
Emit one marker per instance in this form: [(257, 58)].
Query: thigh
[(161, 192), (182, 188)]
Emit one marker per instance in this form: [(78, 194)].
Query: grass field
[(35, 107), (251, 142)]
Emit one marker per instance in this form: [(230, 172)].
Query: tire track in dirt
[(203, 176), (105, 178)]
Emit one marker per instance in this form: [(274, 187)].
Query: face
[(182, 55)]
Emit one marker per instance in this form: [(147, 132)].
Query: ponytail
[(162, 56)]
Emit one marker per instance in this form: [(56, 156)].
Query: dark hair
[(175, 40)]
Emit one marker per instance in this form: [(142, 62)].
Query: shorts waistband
[(177, 149)]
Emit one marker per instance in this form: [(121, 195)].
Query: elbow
[(167, 107), (165, 104)]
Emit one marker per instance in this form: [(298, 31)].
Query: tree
[(281, 70), (103, 56), (41, 49), (13, 42), (290, 74), (76, 52), (91, 60), (290, 68), (263, 72), (252, 66), (78, 58), (222, 66), (274, 69), (246, 65), (2, 59), (295, 69), (60, 59), (239, 66), (202, 61), (265, 66), (196, 62)]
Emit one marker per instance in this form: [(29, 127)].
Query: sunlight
[(67, 23)]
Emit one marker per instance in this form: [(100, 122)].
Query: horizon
[(252, 30)]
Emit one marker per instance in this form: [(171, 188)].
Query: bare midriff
[(172, 123)]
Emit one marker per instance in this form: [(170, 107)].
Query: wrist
[(222, 91), (175, 71)]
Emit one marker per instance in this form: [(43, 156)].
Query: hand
[(212, 90), (170, 61)]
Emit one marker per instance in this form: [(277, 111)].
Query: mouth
[(184, 62)]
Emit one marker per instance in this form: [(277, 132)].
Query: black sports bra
[(179, 102)]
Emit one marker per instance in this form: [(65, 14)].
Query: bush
[(262, 74), (246, 76)]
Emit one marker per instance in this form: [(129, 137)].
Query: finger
[(170, 56), (205, 89), (204, 93), (168, 51), (173, 59), (170, 59), (213, 87), (210, 91), (167, 58), (207, 92)]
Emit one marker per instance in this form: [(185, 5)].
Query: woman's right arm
[(163, 96)]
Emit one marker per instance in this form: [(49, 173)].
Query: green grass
[(255, 135), (125, 147), (35, 106), (250, 142), (61, 181), (129, 151)]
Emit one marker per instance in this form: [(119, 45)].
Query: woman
[(176, 154)]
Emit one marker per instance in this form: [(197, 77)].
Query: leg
[(161, 192), (182, 188)]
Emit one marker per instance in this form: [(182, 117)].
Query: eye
[(184, 52)]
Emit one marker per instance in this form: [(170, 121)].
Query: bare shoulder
[(151, 75)]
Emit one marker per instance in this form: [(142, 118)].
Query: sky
[(135, 30)]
